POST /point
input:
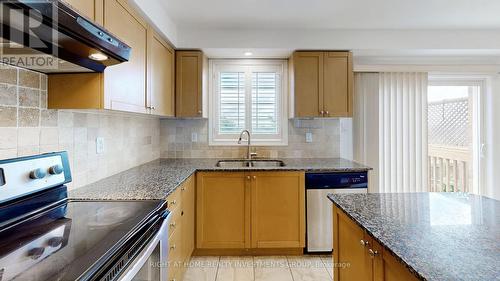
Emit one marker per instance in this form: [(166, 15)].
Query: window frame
[(243, 65)]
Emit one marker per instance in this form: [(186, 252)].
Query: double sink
[(243, 163)]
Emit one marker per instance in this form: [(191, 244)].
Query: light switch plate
[(99, 145), (194, 137), (309, 137)]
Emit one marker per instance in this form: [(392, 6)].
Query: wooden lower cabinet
[(357, 256), (278, 210), (242, 211), (223, 211), (181, 228)]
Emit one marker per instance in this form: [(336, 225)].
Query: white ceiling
[(336, 14)]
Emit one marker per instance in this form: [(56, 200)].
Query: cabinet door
[(278, 213), (162, 67), (337, 90), (125, 83), (189, 80), (188, 217), (348, 249), (85, 7), (222, 211), (308, 83), (387, 268)]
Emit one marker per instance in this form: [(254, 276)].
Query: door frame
[(483, 82)]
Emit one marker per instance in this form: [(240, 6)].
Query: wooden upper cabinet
[(161, 79), (125, 83), (222, 211), (88, 8), (190, 83), (278, 210), (308, 83), (321, 84), (338, 79)]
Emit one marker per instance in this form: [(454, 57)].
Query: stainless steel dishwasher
[(319, 208)]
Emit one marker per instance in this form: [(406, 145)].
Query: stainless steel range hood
[(49, 36)]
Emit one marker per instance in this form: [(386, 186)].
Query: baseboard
[(249, 252)]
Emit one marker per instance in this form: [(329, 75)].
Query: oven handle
[(162, 238)]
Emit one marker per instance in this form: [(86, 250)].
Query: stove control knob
[(56, 170), (55, 241), (36, 253), (37, 174)]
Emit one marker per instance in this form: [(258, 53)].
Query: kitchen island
[(411, 236)]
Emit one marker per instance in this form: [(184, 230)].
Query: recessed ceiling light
[(247, 54), (98, 57)]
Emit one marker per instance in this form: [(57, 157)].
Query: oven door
[(151, 263)]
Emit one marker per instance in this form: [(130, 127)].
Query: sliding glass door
[(455, 134)]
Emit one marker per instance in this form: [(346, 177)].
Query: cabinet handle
[(372, 253), (364, 243), (173, 202), (172, 247)]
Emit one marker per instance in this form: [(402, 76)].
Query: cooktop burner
[(68, 240), (44, 236)]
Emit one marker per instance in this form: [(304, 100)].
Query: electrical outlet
[(309, 137), (99, 145), (194, 137)]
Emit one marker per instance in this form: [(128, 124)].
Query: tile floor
[(273, 268)]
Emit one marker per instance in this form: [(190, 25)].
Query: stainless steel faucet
[(249, 154)]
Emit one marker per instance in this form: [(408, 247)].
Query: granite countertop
[(438, 236), (159, 178)]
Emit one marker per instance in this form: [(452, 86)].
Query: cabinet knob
[(254, 177), (322, 112), (172, 247), (173, 202), (248, 177), (327, 113), (172, 225), (372, 253), (199, 111), (183, 188), (364, 243)]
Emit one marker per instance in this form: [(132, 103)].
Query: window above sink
[(248, 95)]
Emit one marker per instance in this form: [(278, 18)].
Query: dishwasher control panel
[(335, 180)]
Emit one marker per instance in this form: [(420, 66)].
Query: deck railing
[(449, 169)]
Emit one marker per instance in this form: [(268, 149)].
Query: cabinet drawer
[(175, 259), (175, 222), (174, 199)]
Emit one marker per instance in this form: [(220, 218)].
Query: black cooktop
[(71, 239)]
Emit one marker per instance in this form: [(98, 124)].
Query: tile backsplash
[(27, 127), (176, 140)]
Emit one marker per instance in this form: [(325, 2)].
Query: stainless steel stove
[(46, 236)]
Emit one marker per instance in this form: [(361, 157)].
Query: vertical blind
[(403, 132), (390, 129)]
